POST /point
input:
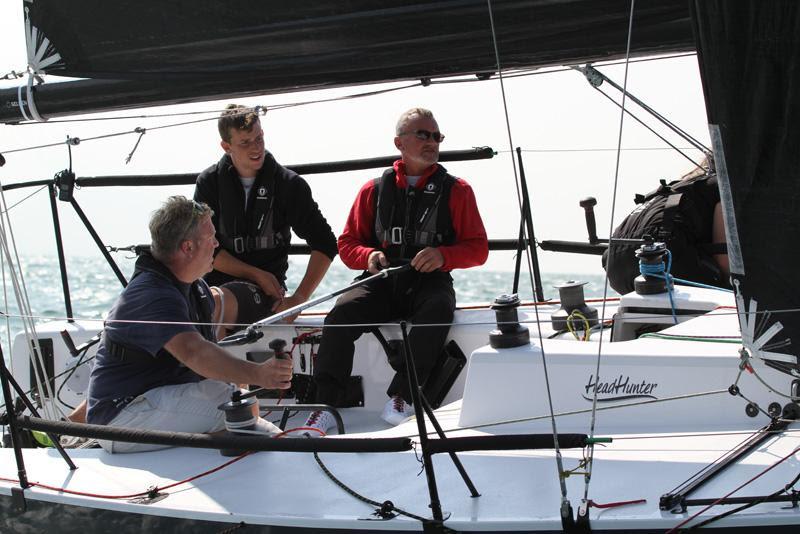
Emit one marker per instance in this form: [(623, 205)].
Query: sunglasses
[(424, 135), (197, 210)]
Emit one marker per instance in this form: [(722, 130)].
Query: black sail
[(749, 55), (143, 52)]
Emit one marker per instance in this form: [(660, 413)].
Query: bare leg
[(78, 415), (226, 309)]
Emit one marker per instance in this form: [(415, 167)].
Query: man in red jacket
[(418, 213)]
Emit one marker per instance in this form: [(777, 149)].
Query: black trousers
[(418, 298)]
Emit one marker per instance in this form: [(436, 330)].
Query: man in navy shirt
[(158, 367)]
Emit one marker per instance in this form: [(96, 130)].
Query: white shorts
[(179, 408)]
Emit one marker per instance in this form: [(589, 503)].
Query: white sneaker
[(396, 411), (319, 420), (265, 427)]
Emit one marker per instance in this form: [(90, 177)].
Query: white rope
[(31, 103), (520, 202), (590, 452), (7, 244)]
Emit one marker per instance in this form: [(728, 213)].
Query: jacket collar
[(400, 173)]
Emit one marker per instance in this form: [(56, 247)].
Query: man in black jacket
[(257, 203)]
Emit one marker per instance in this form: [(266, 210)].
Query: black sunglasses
[(424, 135)]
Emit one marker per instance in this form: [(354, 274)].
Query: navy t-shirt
[(162, 306)]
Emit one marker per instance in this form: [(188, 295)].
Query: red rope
[(132, 495), (615, 504), (296, 429)]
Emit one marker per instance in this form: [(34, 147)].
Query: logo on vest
[(620, 388), (430, 188), (262, 192)]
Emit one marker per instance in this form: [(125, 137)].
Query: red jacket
[(471, 246)]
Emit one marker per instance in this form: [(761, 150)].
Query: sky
[(567, 130)]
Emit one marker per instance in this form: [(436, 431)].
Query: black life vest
[(249, 228), (199, 301), (679, 214), (408, 221)]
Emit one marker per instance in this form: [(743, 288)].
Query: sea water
[(94, 287)]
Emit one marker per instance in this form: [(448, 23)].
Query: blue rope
[(698, 284), (659, 271)]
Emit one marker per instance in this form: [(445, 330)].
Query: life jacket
[(679, 214), (249, 228), (199, 301), (408, 221)]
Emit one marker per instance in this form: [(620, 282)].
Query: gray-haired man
[(157, 367)]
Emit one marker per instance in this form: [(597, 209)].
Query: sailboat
[(678, 410)]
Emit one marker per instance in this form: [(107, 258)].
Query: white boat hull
[(662, 433)]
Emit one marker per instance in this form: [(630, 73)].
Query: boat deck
[(519, 489)]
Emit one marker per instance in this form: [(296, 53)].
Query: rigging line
[(23, 301), (7, 318), (36, 147), (754, 372), (568, 150), (706, 339), (515, 74), (702, 434), (532, 71), (310, 325), (348, 97), (71, 141), (640, 121), (143, 116), (621, 437), (21, 201), (742, 485), (586, 410), (559, 460), (452, 324), (661, 118), (271, 325), (754, 502), (590, 452), (217, 112), (121, 117), (73, 369)]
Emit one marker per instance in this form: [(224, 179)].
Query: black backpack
[(680, 214)]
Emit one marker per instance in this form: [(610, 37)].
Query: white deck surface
[(657, 446)]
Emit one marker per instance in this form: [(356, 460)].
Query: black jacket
[(279, 196)]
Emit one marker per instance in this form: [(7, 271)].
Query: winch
[(509, 333), (572, 302)]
